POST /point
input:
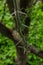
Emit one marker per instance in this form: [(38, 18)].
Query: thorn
[(25, 25), (18, 42), (21, 47), (19, 13)]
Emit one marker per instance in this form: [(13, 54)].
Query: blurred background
[(35, 36)]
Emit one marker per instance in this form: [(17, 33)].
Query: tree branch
[(14, 36), (21, 56), (35, 51), (5, 31)]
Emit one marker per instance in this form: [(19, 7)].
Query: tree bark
[(16, 37)]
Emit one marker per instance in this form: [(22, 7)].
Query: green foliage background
[(35, 36)]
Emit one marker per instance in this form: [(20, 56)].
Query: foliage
[(36, 33), (35, 37)]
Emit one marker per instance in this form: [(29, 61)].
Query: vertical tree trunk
[(21, 56)]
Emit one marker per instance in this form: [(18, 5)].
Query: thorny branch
[(7, 32)]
